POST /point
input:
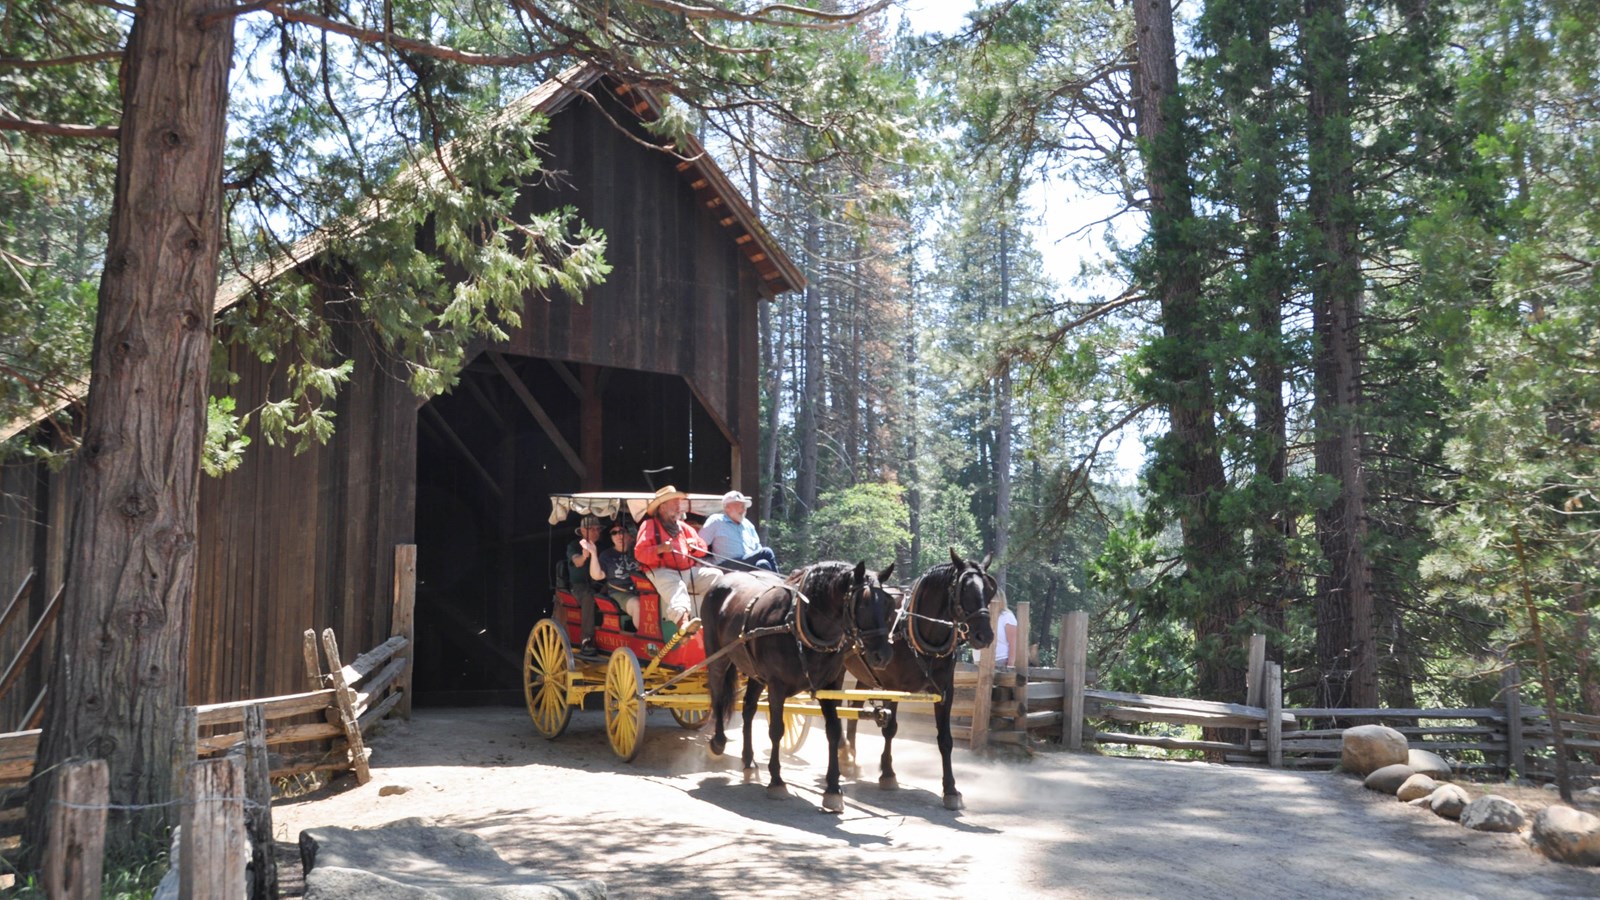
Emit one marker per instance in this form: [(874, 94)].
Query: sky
[(1064, 234)]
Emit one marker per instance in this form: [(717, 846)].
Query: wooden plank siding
[(294, 541)]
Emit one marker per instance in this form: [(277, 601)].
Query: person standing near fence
[(1005, 639)]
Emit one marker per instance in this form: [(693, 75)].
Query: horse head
[(872, 612), (972, 591)]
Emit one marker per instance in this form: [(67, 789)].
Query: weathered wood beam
[(19, 663), (437, 421), (539, 415), (402, 620), (484, 402), (35, 713), (566, 376), (344, 698), (16, 605), (591, 439), (276, 707)]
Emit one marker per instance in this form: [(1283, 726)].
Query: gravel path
[(678, 823)]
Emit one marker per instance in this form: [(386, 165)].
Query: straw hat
[(661, 496)]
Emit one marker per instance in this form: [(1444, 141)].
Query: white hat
[(735, 497)]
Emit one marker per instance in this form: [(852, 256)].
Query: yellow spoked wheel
[(691, 718), (546, 675), (795, 728), (624, 704)]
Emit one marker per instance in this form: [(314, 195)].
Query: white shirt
[(1002, 647)]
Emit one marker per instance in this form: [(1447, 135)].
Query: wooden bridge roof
[(711, 186)]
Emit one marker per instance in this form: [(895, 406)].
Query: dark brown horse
[(949, 604), (792, 637)]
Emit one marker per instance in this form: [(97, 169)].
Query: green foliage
[(56, 196), (867, 521), (1512, 274)]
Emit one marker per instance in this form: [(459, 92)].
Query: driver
[(669, 550)]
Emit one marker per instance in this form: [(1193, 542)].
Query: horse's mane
[(817, 580)]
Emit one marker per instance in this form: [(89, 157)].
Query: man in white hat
[(669, 550), (733, 538)]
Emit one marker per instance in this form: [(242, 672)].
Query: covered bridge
[(656, 367)]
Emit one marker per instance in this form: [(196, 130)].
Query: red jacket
[(656, 549)]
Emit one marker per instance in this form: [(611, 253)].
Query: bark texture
[(1185, 374), (1346, 650), (119, 676)]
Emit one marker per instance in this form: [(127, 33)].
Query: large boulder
[(1426, 762), (1418, 786), (1364, 749), (1491, 813), (1448, 801), (1388, 779), (409, 860), (1567, 835)]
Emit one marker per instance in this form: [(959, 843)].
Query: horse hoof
[(750, 774), (833, 803), (717, 745), (954, 801), (889, 783), (777, 792)]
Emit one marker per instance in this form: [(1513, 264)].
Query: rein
[(958, 628)]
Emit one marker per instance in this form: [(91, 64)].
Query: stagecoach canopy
[(606, 504)]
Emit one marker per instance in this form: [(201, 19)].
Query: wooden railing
[(11, 676)]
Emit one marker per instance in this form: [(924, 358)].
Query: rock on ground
[(1491, 813), (1568, 835), (1426, 762), (1417, 787), (1388, 779), (1365, 749), (411, 860), (1448, 801)]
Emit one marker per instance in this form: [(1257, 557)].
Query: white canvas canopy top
[(606, 504)]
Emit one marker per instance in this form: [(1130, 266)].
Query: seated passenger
[(580, 553), (669, 551), (733, 538), (616, 567)]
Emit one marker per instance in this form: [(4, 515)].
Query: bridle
[(959, 625), (852, 635)]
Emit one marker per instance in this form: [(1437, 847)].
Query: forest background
[(1340, 286)]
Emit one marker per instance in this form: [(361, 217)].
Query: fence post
[(1273, 688), (1020, 692), (344, 703), (1075, 659), (1511, 701), (1253, 680), (185, 744), (75, 853), (403, 619), (258, 808), (213, 857), (983, 695)]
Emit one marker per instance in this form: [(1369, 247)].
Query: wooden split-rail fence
[(1026, 706), (319, 730)]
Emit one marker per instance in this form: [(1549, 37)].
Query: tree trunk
[(1182, 373), (913, 415), (1346, 652), (811, 354), (120, 672), (1002, 437)]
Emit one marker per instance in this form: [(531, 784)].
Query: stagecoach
[(641, 669)]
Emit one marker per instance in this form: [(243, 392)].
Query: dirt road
[(679, 823)]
